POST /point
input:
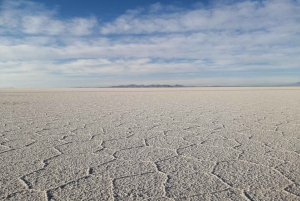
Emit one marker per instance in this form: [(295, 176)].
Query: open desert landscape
[(150, 144)]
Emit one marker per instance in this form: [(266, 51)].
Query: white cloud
[(19, 16), (155, 7), (241, 36), (241, 16), (99, 66)]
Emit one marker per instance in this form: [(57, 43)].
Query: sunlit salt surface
[(150, 144)]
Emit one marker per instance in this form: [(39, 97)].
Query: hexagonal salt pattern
[(150, 144)]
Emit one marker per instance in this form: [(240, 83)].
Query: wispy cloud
[(25, 17), (240, 36), (242, 16)]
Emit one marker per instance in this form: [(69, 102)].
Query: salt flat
[(150, 144)]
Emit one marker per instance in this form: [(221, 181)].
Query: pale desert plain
[(165, 144)]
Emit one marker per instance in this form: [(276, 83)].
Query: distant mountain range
[(297, 84), (181, 86), (147, 86)]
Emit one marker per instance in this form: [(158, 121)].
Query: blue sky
[(60, 43)]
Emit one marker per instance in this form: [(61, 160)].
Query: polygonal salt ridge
[(145, 133), (18, 143), (239, 135), (123, 143), (63, 169), (15, 127), (78, 160), (294, 189), (139, 187), (3, 139), (4, 148), (53, 177), (260, 160), (52, 131), (181, 186), (290, 170), (106, 151), (184, 165), (170, 124), (27, 195), (167, 142), (194, 138), (213, 140), (92, 187), (271, 194), (96, 129), (264, 126), (145, 154), (124, 168), (76, 137), (10, 186), (249, 176), (257, 152), (291, 129), (275, 140), (49, 141), (89, 129), (208, 153), (288, 144), (224, 195), (284, 155), (116, 130), (80, 147), (178, 133), (263, 135), (112, 136), (63, 122), (158, 199), (28, 154), (230, 124), (16, 136)]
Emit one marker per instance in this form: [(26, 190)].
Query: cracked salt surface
[(150, 144)]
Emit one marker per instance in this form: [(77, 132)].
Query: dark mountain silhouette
[(297, 84), (147, 86)]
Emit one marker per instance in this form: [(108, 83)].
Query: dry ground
[(150, 144)]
